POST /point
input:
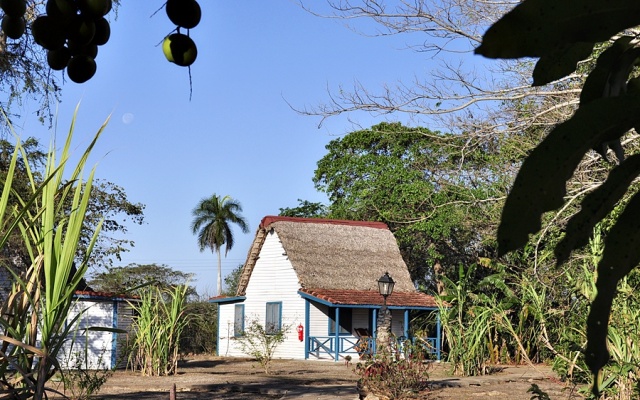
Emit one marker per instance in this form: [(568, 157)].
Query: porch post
[(438, 345), (375, 330), (406, 324), (337, 334), (307, 309)]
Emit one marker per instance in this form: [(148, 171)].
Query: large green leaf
[(596, 205), (560, 62), (596, 82), (535, 28), (540, 185), (621, 254)]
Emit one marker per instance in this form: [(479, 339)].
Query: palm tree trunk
[(219, 273)]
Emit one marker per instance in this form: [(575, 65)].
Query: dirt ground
[(235, 379)]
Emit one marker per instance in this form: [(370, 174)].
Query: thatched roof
[(334, 254)]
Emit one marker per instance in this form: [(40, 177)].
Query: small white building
[(99, 336), (313, 275)]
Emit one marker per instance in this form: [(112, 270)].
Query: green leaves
[(536, 28), (540, 185), (560, 33)]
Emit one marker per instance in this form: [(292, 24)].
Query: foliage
[(232, 280), (439, 205), (212, 219), (132, 278), (161, 317), (393, 377), (34, 316), (82, 379), (261, 343), (305, 209), (108, 205), (200, 333), (608, 109)]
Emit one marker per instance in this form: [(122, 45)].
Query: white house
[(312, 275), (99, 336)]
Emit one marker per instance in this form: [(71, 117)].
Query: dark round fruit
[(90, 50), (184, 13), (14, 8), (94, 8), (103, 32), (47, 33), (62, 11), (82, 30), (13, 27), (58, 59), (180, 49), (81, 68)]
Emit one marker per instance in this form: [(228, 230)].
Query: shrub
[(260, 343), (393, 377)]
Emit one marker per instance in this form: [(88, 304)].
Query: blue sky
[(237, 135)]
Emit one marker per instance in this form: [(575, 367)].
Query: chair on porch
[(364, 346)]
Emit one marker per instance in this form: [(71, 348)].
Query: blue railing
[(365, 346)]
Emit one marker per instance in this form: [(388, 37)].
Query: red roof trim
[(91, 293), (372, 297), (269, 219)]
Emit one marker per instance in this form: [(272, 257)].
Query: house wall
[(103, 349), (272, 280), (89, 349)]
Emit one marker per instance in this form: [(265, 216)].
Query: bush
[(393, 377), (261, 344)]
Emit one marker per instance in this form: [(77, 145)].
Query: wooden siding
[(125, 322), (272, 280), (97, 344)]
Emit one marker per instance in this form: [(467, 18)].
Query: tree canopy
[(441, 208), (131, 279), (212, 223)]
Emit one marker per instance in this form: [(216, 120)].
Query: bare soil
[(234, 379)]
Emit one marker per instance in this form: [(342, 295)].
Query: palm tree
[(212, 219)]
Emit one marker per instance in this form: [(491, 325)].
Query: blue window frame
[(238, 320), (273, 320), (346, 318)]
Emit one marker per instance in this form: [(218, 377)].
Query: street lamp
[(385, 287)]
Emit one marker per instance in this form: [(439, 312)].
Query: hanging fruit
[(14, 8), (180, 49), (13, 27), (184, 13), (81, 68)]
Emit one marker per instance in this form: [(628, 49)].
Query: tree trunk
[(437, 271), (219, 273)]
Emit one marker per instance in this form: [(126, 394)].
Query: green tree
[(108, 205), (212, 219), (305, 209), (232, 280), (609, 108), (441, 208), (122, 279)]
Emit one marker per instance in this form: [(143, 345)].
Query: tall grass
[(160, 320), (34, 316)]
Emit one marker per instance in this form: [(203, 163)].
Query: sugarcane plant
[(161, 317), (34, 315)]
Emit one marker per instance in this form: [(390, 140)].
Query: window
[(345, 321), (238, 320), (273, 321)]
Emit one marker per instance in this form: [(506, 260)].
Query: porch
[(351, 325)]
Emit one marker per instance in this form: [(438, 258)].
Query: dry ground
[(235, 379)]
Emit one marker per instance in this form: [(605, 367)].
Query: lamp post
[(385, 287)]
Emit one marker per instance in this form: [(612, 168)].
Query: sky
[(236, 134)]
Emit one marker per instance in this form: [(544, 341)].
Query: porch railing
[(365, 346)]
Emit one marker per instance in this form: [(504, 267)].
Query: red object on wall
[(300, 332)]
